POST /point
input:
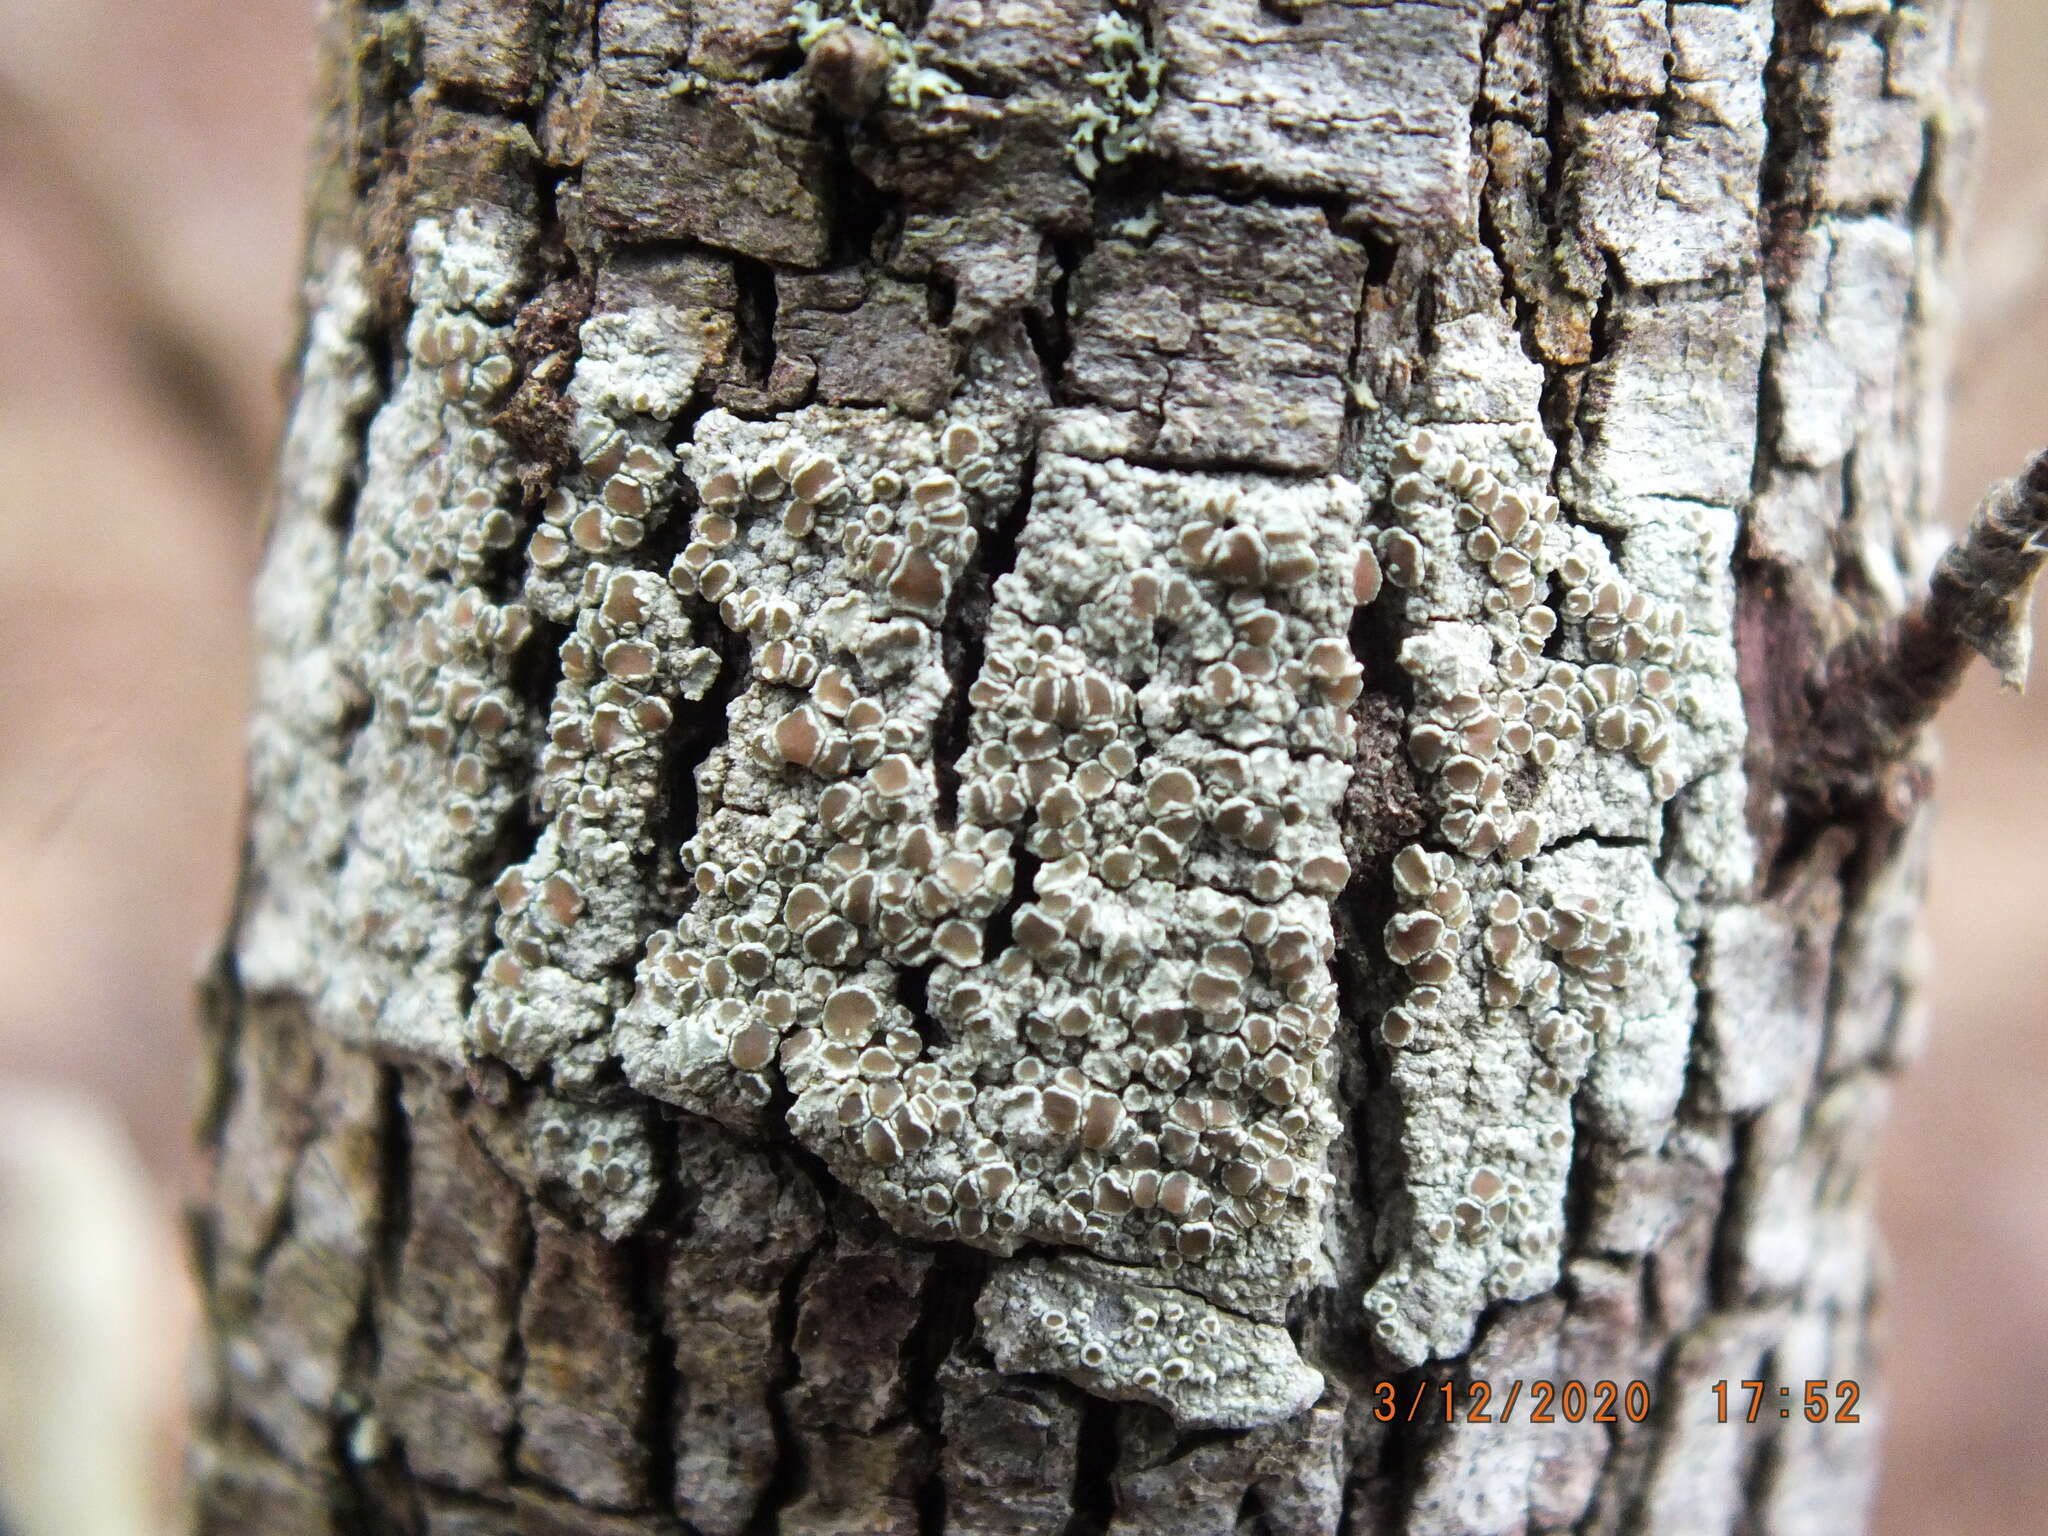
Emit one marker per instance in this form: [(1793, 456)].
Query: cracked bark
[(1701, 246)]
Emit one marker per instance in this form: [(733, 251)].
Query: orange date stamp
[(1547, 1401)]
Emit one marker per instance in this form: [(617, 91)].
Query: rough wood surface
[(1010, 756)]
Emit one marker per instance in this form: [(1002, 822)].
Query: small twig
[(1881, 688)]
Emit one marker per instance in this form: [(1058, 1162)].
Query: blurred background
[(150, 159)]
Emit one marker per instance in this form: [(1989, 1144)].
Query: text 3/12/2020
[(1604, 1402)]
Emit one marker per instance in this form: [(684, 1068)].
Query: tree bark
[(1033, 769)]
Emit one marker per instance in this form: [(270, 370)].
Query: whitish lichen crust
[(1027, 937), (1094, 1325), (304, 698), (423, 640), (1125, 1050), (1561, 699)]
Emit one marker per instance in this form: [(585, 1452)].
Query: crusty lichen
[(828, 545), (1555, 697), (304, 696), (1076, 989), (573, 911), (1072, 988), (426, 640), (1097, 1326), (1137, 1065)]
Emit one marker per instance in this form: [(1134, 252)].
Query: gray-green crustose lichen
[(1072, 989), (1139, 1067), (1120, 1338), (429, 643), (1554, 696)]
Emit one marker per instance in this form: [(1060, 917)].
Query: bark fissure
[(1094, 1496), (785, 1478)]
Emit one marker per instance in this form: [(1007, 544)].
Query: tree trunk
[(1034, 769)]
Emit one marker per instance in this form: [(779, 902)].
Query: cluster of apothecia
[(1128, 1057), (1532, 659)]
